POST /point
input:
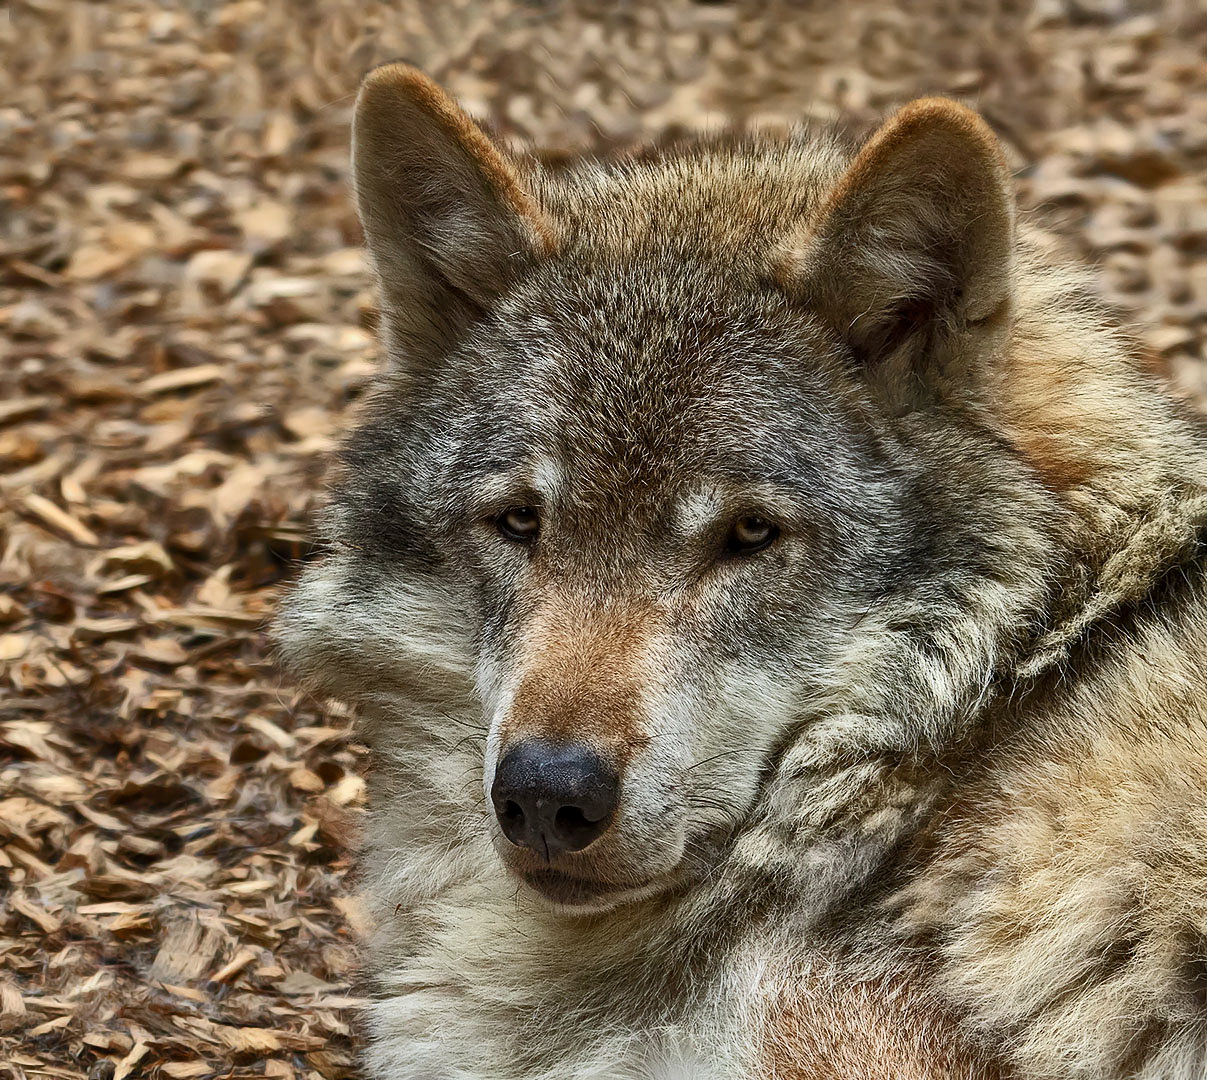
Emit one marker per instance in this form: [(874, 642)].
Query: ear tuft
[(447, 217), (917, 237)]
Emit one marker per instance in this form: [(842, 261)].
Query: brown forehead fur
[(742, 201), (729, 199)]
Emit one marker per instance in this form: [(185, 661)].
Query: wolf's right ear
[(447, 220), (910, 257)]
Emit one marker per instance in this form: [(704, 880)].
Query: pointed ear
[(911, 252), (448, 221)]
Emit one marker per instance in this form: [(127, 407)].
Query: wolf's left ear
[(916, 240), (447, 218)]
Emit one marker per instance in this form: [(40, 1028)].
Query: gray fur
[(859, 751)]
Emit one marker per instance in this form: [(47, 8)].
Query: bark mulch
[(185, 316)]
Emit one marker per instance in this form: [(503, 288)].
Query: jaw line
[(618, 896), (604, 904)]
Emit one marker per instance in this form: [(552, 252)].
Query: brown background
[(184, 317)]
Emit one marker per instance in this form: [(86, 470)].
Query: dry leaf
[(148, 557)]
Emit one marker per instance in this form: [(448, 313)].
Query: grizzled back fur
[(798, 485)]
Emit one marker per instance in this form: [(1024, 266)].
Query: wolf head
[(683, 473)]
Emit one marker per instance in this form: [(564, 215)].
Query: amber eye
[(751, 533), (520, 523)]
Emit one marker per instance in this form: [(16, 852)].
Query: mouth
[(568, 891)]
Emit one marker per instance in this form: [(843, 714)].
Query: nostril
[(573, 830), (553, 797), (512, 811), (571, 819)]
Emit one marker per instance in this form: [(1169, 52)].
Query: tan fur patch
[(1075, 403), (1054, 463), (823, 1030), (584, 676)]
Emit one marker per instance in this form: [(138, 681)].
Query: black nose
[(553, 797)]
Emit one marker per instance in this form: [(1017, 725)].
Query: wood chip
[(187, 950), (184, 379), (46, 922), (12, 1006), (59, 519), (235, 965), (127, 1064), (57, 1024), (22, 409), (185, 1070), (148, 558), (14, 646)]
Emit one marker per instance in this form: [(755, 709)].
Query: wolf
[(773, 594)]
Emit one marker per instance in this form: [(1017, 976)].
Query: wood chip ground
[(185, 320)]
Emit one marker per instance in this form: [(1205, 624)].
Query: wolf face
[(674, 460)]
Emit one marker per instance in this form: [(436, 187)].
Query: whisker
[(723, 754)]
